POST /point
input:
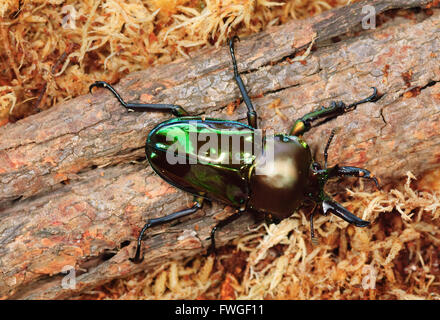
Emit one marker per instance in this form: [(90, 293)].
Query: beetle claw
[(376, 182), (99, 84), (136, 261), (210, 252), (137, 257), (232, 39)]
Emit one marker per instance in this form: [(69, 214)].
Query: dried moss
[(46, 58), (51, 51), (395, 258)]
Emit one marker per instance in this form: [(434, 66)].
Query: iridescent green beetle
[(274, 183)]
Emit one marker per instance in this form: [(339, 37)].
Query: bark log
[(71, 193)]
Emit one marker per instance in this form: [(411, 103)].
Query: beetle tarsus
[(212, 250), (251, 114), (371, 98), (312, 228), (176, 110), (198, 204), (352, 172), (221, 224), (137, 258)]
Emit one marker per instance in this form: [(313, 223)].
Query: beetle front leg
[(176, 110), (336, 108), (338, 171), (251, 114), (198, 204)]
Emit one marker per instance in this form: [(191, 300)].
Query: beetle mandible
[(294, 177)]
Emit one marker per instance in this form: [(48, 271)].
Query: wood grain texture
[(71, 195)]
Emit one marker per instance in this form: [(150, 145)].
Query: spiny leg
[(251, 114), (335, 109), (176, 110), (338, 171), (341, 212), (220, 225), (198, 204)]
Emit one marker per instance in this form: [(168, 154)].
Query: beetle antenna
[(332, 134)]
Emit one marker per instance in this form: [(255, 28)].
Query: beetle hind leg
[(176, 110), (198, 204)]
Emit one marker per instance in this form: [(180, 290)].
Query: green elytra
[(274, 183)]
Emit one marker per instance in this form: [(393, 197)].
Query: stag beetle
[(273, 184)]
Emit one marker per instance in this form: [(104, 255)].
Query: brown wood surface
[(72, 192)]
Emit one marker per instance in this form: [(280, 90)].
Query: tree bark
[(72, 193)]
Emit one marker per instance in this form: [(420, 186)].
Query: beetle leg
[(341, 212), (176, 110), (336, 108), (312, 228), (251, 114), (198, 204), (353, 172), (220, 225), (327, 146)]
